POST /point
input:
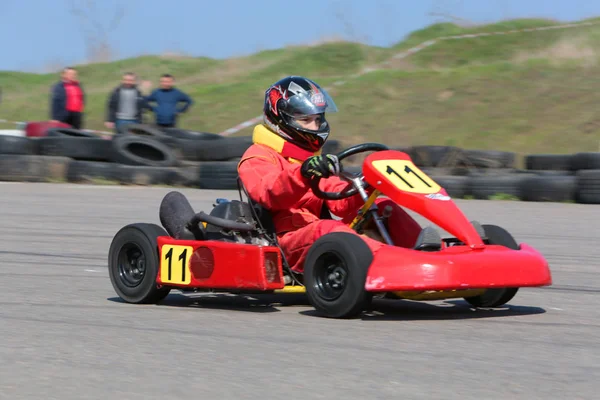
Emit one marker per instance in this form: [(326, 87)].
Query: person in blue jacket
[(164, 102)]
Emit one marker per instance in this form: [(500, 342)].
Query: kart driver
[(286, 154)]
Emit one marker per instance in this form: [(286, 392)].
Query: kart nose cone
[(458, 267)]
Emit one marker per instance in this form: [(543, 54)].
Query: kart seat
[(241, 211), (264, 215), (176, 213)]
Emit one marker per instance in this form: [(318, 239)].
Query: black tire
[(548, 162), (496, 297), (588, 186), (145, 130), (27, 168), (585, 160), (214, 150), (218, 175), (456, 186), (190, 135), (16, 145), (77, 148), (87, 171), (484, 186), (409, 150), (150, 131), (144, 175), (544, 172), (556, 188), (353, 258), (445, 171), (488, 159), (136, 239), (55, 168), (436, 156), (69, 132), (140, 150)]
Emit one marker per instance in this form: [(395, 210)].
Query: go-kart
[(234, 249)]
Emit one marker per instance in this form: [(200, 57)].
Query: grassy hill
[(525, 92)]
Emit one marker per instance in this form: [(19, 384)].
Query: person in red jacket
[(286, 154), (67, 100)]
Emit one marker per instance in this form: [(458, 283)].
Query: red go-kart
[(234, 249)]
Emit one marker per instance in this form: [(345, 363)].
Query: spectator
[(166, 99), (67, 99), (125, 104)]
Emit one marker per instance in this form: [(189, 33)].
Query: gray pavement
[(65, 335)]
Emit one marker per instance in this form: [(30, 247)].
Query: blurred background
[(527, 91)]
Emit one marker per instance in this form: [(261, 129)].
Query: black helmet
[(292, 98)]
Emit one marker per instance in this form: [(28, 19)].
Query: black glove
[(321, 166)]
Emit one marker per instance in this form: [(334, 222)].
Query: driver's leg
[(402, 228), (295, 244)]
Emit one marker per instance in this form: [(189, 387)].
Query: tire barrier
[(544, 162), (146, 155), (588, 186), (486, 186), (90, 171), (32, 168), (77, 148), (16, 145), (191, 135), (68, 132), (141, 150)]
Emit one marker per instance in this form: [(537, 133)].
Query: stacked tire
[(148, 155), (484, 175), (142, 155)]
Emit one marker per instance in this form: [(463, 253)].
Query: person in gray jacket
[(125, 104)]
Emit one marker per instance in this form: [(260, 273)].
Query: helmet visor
[(309, 103)]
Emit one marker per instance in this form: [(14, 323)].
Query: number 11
[(182, 258)]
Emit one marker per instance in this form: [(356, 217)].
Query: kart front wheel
[(335, 273), (496, 297), (133, 263)]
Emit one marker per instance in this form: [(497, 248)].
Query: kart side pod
[(218, 265)]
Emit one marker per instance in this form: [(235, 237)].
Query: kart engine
[(246, 239)]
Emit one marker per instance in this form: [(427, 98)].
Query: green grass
[(503, 196), (525, 92)]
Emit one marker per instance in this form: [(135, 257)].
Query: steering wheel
[(352, 187)]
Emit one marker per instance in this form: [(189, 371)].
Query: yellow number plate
[(174, 266), (406, 176)]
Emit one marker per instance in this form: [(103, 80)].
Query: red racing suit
[(270, 172)]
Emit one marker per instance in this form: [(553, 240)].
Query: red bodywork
[(444, 213), (457, 267), (225, 265), (475, 265)]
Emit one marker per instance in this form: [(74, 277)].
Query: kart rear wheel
[(335, 273), (133, 263), (501, 296)]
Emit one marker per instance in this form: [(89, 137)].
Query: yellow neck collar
[(262, 135)]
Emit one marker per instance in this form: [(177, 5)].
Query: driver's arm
[(343, 206), (271, 184)]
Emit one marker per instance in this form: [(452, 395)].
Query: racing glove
[(322, 166)]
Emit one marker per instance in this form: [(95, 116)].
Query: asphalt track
[(65, 335)]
